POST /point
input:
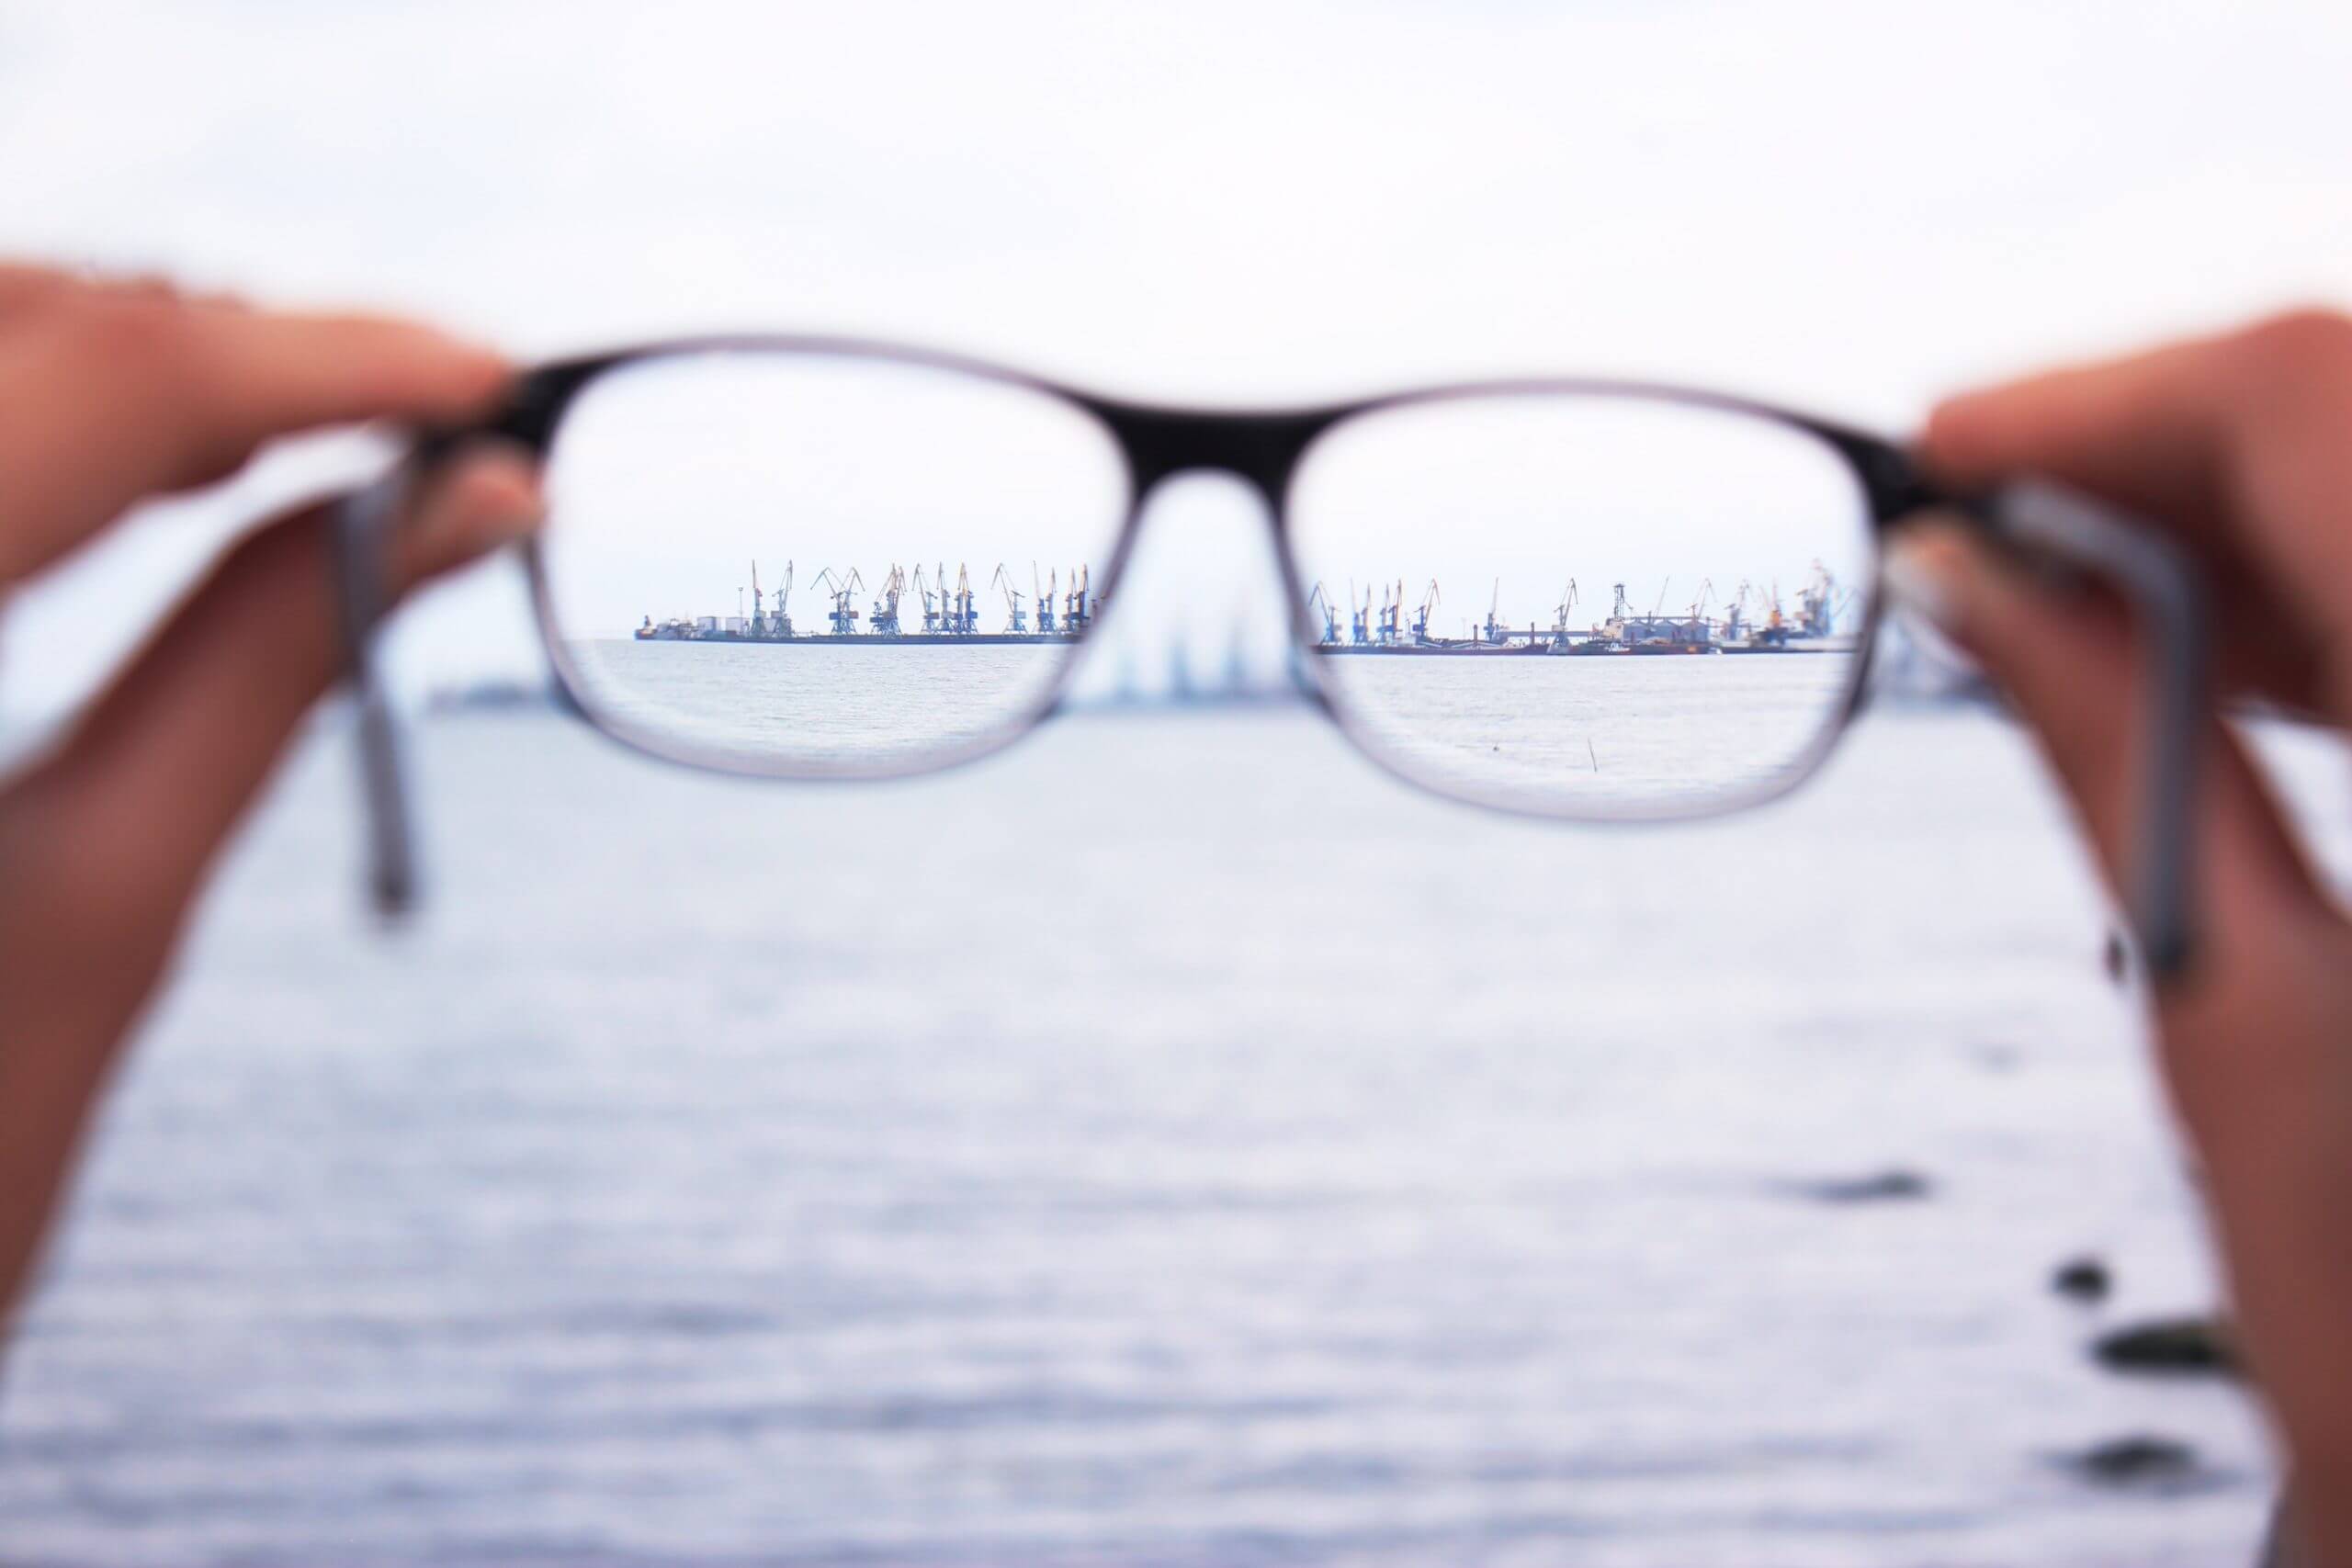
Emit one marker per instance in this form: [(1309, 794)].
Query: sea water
[(1171, 1143), (1601, 732)]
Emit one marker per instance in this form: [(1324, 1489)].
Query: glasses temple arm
[(2049, 522), (362, 526)]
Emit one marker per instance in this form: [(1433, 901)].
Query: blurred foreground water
[(1170, 1142)]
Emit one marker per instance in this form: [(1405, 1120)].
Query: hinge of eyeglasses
[(2050, 522)]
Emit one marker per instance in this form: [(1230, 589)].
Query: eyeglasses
[(815, 558)]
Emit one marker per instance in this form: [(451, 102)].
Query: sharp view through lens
[(1171, 1143), (1708, 700)]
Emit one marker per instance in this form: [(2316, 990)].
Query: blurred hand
[(110, 393), (2243, 446)]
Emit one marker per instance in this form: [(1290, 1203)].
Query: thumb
[(488, 498), (104, 842)]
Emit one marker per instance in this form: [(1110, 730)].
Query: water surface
[(1169, 1144)]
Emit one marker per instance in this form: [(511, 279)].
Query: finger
[(2150, 426), (107, 396), (2165, 431), (2238, 1047), (2249, 1041), (2147, 430), (2235, 442), (27, 292), (155, 774), (102, 847), (22, 285), (2068, 660)]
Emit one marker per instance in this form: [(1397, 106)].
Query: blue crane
[(930, 603), (963, 616), (832, 585), (886, 609), (1319, 602), (1016, 620), (1421, 618)]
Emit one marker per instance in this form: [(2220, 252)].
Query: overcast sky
[(1851, 207)]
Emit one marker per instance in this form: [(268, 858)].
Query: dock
[(1751, 621)]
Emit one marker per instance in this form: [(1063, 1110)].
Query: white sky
[(1851, 207)]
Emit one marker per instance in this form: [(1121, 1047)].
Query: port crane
[(1817, 604), (1495, 633), (963, 619), (763, 624), (1359, 616), (1775, 628), (1560, 614), (779, 618), (839, 591), (1392, 613), (1078, 611), (1045, 600), (1429, 607), (1319, 602), (1700, 630), (930, 603), (1015, 621), (884, 621)]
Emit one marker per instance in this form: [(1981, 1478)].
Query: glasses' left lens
[(823, 562)]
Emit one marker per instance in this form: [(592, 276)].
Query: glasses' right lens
[(1584, 603), (823, 562)]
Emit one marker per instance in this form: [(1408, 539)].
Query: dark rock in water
[(2085, 1279), (2136, 1460), (2171, 1345), (1885, 1186)]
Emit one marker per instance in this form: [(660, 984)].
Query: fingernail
[(1920, 575)]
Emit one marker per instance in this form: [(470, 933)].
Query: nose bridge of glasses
[(1262, 449)]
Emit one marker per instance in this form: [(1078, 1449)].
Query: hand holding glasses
[(1671, 594)]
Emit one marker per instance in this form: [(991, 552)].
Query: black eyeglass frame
[(1266, 448)]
